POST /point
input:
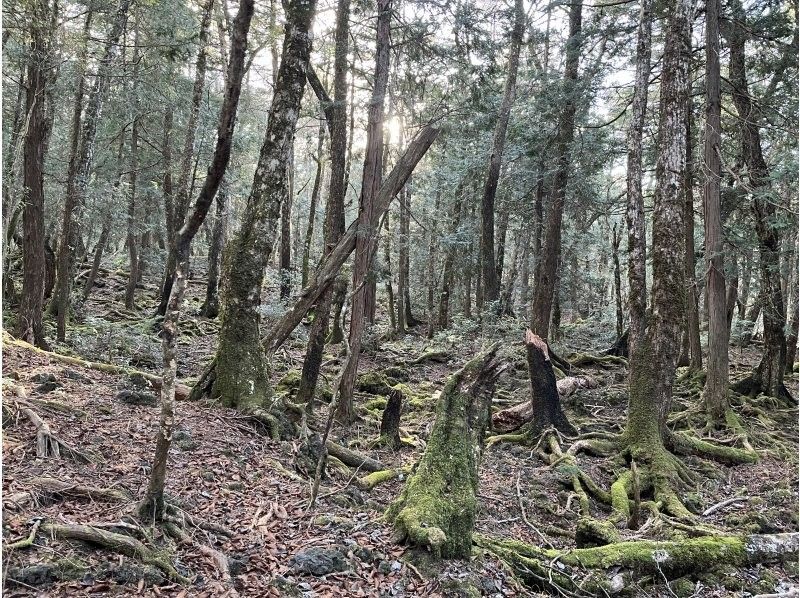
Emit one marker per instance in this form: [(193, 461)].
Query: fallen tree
[(615, 566), (508, 420), (436, 509)]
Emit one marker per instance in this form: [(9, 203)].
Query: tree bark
[(363, 286), (448, 274), (181, 205), (430, 270), (548, 263), (491, 284), (241, 377), (715, 393), (210, 307), (768, 376), (634, 215), (312, 207), (133, 254), (615, 241), (545, 402), (403, 268), (152, 507), (40, 57), (336, 117), (285, 252), (76, 194)]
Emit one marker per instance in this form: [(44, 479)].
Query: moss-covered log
[(436, 509), (612, 563)]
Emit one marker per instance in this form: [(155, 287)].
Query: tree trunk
[(312, 207), (653, 358), (491, 284), (330, 266), (615, 241), (715, 393), (525, 274), (403, 267), (469, 266), (40, 57), (545, 402), (241, 377), (390, 420), (768, 376), (181, 205), (133, 254), (430, 270), (210, 308), (634, 215), (692, 350), (152, 507), (336, 116), (363, 289), (76, 194), (507, 297), (744, 283), (548, 262), (285, 253), (10, 154), (437, 507)]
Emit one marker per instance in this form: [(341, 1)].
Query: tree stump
[(436, 509), (390, 420), (545, 401)]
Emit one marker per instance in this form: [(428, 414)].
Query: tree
[(39, 76), (363, 290), (715, 394), (547, 268), (491, 277), (241, 377)]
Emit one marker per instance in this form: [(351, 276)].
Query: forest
[(462, 298)]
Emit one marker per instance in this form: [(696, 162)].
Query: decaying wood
[(515, 417), (352, 458)]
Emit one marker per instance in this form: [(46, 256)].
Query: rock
[(398, 373), (138, 397), (43, 377), (75, 375), (183, 440), (318, 561), (48, 386)]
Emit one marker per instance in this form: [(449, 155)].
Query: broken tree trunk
[(390, 420), (545, 403), (437, 507), (517, 416)]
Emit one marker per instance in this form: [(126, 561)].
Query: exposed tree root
[(687, 444), (217, 557), (605, 361), (116, 542), (611, 567), (27, 541), (370, 481), (57, 487)]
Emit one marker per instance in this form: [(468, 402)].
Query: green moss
[(398, 373), (619, 496), (369, 481), (289, 383), (373, 383), (376, 404)]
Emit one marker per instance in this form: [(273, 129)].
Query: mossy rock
[(289, 383), (373, 383), (400, 374), (376, 404)]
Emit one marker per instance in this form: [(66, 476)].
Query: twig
[(724, 503), (525, 515), (26, 542)]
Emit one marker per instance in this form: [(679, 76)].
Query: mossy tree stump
[(390, 420), (436, 509)]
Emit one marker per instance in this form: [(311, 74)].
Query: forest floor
[(224, 470)]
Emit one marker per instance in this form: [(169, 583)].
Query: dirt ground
[(225, 471)]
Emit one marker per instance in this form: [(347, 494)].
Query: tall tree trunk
[(507, 296), (40, 63), (430, 270), (491, 284), (448, 274), (285, 252), (336, 117), (76, 193), (152, 507), (525, 274), (387, 258), (692, 350), (312, 207), (634, 215), (469, 266), (548, 266), (744, 282), (654, 356), (133, 254), (794, 319), (181, 204), (403, 267), (768, 376), (615, 241), (363, 289), (241, 379), (715, 394), (10, 153), (502, 232), (210, 307)]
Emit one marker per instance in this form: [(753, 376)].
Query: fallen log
[(352, 458), (513, 418), (615, 566)]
